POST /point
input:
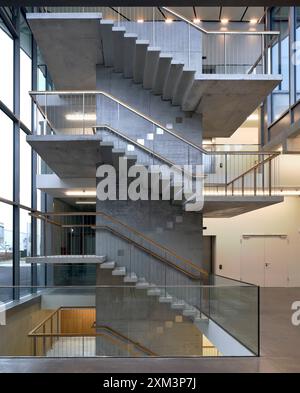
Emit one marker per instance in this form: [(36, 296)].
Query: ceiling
[(233, 14)]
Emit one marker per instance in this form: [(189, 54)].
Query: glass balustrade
[(123, 320)]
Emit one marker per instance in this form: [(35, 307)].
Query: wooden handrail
[(155, 255), (109, 330), (129, 228), (123, 337)]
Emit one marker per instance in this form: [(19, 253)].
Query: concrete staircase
[(151, 289)]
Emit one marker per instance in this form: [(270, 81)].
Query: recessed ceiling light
[(253, 21), (224, 21), (196, 21), (80, 193), (80, 116), (168, 20), (85, 202), (140, 21)]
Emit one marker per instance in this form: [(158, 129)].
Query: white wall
[(283, 218)]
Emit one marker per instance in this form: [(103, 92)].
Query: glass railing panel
[(127, 321)]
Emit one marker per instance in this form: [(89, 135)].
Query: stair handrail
[(45, 216), (262, 33), (108, 330), (121, 336), (150, 252), (118, 101), (218, 32)]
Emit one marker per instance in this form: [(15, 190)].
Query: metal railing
[(71, 221), (76, 112), (49, 334), (206, 51)]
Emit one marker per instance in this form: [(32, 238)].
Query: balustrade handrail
[(108, 330), (136, 232), (217, 32)]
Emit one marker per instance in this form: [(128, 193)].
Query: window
[(25, 171), (280, 60), (25, 251), (298, 52), (6, 68), (25, 88), (6, 251), (6, 157)]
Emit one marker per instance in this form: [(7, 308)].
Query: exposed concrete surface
[(70, 46), (280, 343), (230, 206), (69, 156)]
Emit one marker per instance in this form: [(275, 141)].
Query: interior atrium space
[(149, 188)]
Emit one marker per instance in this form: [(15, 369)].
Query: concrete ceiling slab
[(230, 206), (225, 101), (70, 44), (69, 156)]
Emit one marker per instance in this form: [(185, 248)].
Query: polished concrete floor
[(280, 349)]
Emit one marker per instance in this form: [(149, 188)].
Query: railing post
[(255, 182), (83, 113), (226, 174), (44, 341), (243, 185), (225, 57), (34, 346), (270, 177)]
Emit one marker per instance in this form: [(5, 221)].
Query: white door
[(264, 261), (252, 260), (276, 256)]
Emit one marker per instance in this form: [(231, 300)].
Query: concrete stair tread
[(142, 42), (106, 22), (142, 284), (118, 28), (119, 271), (108, 265), (106, 144), (131, 277), (153, 291), (130, 35), (165, 299)]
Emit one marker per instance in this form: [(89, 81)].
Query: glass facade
[(16, 157), (280, 60), (297, 48)]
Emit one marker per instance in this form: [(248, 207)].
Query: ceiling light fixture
[(196, 21), (80, 193), (168, 20), (224, 21), (140, 21), (80, 116), (85, 202), (253, 21)]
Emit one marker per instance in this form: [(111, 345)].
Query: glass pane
[(280, 57), (6, 69), (25, 251), (6, 157), (297, 47), (6, 251), (25, 171), (25, 87)]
